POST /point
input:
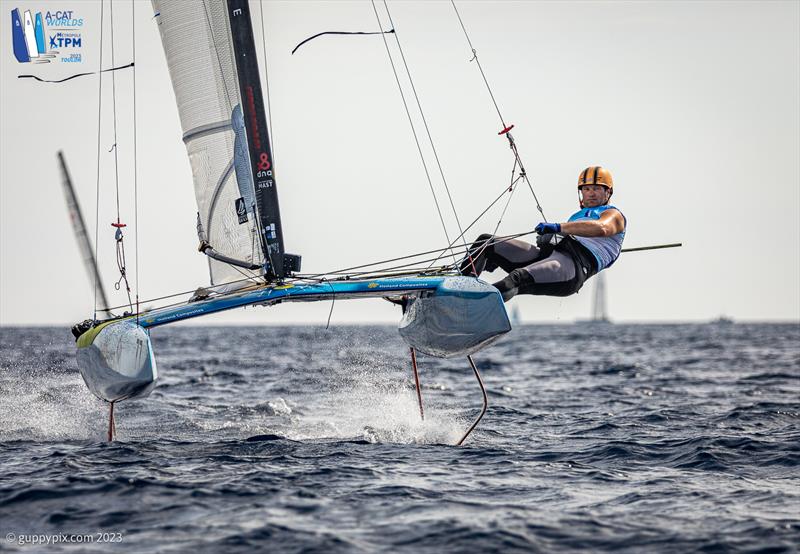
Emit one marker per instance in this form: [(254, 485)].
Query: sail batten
[(208, 129)]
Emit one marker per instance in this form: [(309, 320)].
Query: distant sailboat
[(82, 237), (599, 303), (722, 320)]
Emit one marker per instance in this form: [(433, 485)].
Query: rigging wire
[(346, 273), (114, 106), (266, 78), (424, 121), (506, 128), (411, 122), (475, 58), (506, 190), (97, 185), (333, 303), (121, 265), (135, 164), (511, 189)]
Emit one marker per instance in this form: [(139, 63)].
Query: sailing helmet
[(595, 175)]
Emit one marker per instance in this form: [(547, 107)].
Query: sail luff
[(258, 141)]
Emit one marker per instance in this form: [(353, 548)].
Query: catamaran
[(219, 98)]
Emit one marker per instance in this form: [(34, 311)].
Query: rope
[(97, 185), (339, 33), (73, 76), (425, 122), (411, 122)]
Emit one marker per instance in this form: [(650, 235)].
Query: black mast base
[(291, 262)]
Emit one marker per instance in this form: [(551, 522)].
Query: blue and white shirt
[(605, 249)]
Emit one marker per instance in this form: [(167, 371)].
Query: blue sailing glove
[(548, 228)]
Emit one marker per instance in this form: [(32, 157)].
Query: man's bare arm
[(610, 223)]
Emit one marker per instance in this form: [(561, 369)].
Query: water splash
[(42, 405), (378, 411)]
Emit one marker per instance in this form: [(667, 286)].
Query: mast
[(259, 149), (79, 226)]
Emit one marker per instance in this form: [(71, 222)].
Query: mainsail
[(212, 64)]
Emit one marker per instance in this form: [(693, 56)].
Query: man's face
[(594, 195)]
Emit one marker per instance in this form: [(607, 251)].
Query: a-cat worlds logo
[(44, 38)]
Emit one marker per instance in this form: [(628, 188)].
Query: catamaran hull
[(117, 361), (459, 318), (444, 317)]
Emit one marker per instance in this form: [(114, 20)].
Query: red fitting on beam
[(507, 129)]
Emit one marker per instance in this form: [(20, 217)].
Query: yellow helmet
[(596, 176)]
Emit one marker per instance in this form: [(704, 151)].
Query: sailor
[(566, 254)]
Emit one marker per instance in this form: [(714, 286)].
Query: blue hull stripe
[(271, 295)]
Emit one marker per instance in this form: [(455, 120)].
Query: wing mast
[(259, 148), (221, 107)]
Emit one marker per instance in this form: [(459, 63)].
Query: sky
[(693, 106)]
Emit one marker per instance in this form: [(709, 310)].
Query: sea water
[(631, 438)]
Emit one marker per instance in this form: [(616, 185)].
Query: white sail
[(199, 51), (30, 35), (599, 308)]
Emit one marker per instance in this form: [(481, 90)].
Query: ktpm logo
[(33, 43)]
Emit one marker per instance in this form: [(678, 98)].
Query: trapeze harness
[(557, 267)]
